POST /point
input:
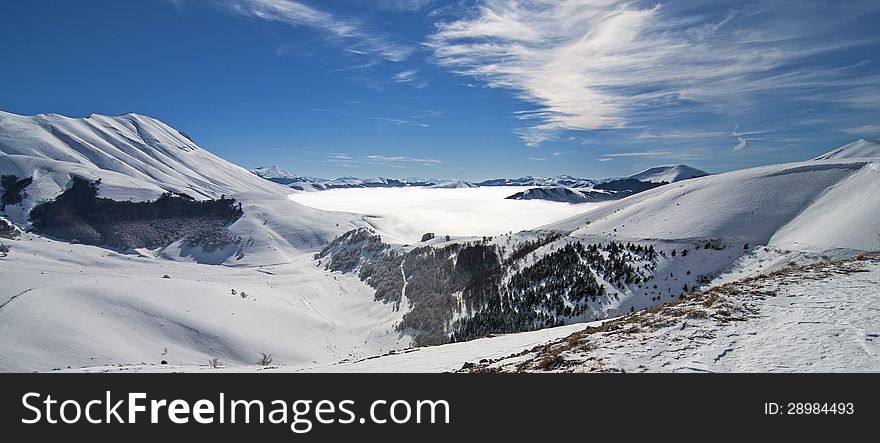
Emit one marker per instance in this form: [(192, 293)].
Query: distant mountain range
[(610, 190), (667, 174)]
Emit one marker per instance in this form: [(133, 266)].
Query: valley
[(126, 245)]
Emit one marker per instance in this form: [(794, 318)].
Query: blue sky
[(460, 89)]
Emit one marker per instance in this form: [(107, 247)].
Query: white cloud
[(863, 130), (338, 156), (640, 154), (407, 213), (403, 5), (742, 144), (354, 33), (405, 76), (402, 158), (592, 64), (398, 121)]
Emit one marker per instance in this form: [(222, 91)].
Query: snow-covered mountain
[(136, 157), (562, 180), (282, 177), (811, 206), (668, 174), (454, 184), (858, 149), (560, 194), (600, 192), (270, 172)]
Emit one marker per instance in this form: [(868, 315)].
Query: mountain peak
[(861, 148), (668, 173)]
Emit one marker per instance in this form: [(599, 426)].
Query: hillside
[(812, 206), (818, 318), (136, 157)]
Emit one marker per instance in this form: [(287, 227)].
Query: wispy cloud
[(373, 160), (864, 130), (403, 5), (405, 76), (401, 158), (339, 156), (640, 154), (354, 35), (410, 77), (589, 65), (398, 121)]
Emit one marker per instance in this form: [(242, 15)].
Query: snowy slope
[(816, 205), (858, 149), (820, 318), (443, 358), (77, 305), (668, 174)]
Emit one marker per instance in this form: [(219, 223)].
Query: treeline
[(78, 214)]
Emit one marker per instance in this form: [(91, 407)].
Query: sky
[(470, 89)]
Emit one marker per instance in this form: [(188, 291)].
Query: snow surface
[(404, 214), (443, 358), (668, 174), (858, 149), (76, 305)]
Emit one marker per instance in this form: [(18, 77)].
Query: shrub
[(265, 360)]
